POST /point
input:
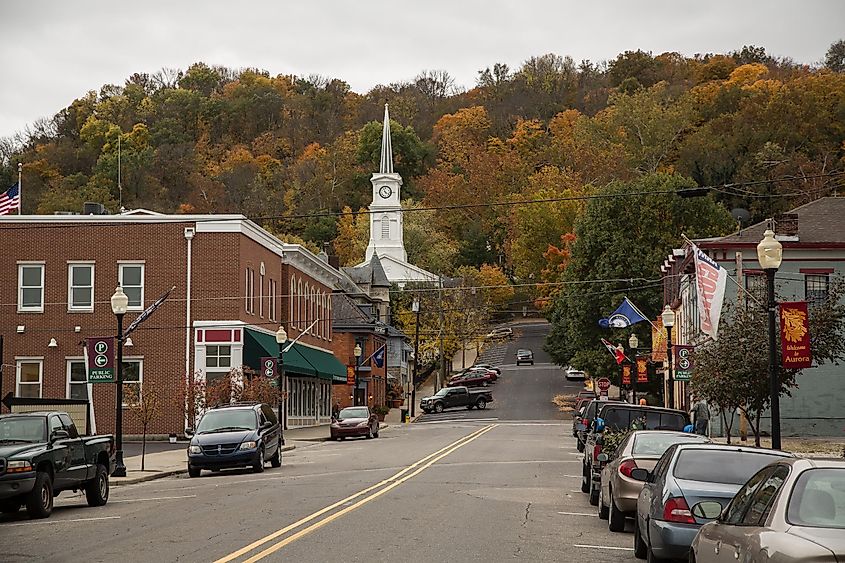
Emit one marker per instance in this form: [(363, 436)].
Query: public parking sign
[(684, 364), (101, 360), (268, 367)]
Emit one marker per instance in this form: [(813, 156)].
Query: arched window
[(320, 314), (385, 226), (306, 301), (300, 310), (291, 302)]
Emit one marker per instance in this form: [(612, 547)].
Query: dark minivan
[(239, 435)]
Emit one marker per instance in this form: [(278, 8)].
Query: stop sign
[(603, 383)]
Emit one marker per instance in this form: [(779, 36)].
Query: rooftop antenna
[(740, 215), (119, 185)]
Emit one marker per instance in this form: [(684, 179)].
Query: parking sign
[(101, 359), (268, 367)]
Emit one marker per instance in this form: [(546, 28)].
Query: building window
[(31, 288), (218, 356), (755, 286), (271, 300), (29, 378), (300, 311), (385, 227), (80, 291), (77, 384), (816, 288), (292, 302), (131, 278), (329, 316), (306, 303), (261, 296), (133, 379)]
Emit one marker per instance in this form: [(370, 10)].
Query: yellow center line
[(306, 519), (290, 539)]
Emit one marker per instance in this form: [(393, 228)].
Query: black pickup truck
[(449, 397), (42, 454)]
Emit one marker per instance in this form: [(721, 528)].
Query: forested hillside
[(291, 152)]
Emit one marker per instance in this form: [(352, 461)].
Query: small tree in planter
[(145, 409), (381, 411)]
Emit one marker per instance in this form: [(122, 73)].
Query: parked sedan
[(792, 510), (488, 366), (354, 421), (472, 378), (640, 449), (686, 475)]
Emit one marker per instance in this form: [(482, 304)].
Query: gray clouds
[(53, 52)]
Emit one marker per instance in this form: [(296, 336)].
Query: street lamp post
[(415, 307), (119, 304), (281, 339), (769, 255), (668, 318), (633, 342), (357, 353)]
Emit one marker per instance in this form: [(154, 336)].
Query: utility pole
[(1, 372), (416, 310), (442, 376)]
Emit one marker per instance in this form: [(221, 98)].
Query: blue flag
[(625, 315), (378, 357)]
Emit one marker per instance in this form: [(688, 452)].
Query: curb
[(163, 474)]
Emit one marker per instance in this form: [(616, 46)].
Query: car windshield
[(227, 420), (354, 412), (22, 429), (730, 467), (442, 393), (617, 418), (654, 445), (818, 499)]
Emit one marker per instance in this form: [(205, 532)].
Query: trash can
[(405, 417)]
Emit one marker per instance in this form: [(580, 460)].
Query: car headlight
[(363, 424), (251, 445), (194, 449), (18, 467)]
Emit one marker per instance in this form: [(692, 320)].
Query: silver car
[(686, 475), (792, 510)]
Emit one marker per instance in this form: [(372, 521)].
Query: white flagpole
[(20, 188)]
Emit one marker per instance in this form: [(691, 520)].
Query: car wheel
[(602, 507), (481, 404), (639, 544), (258, 466), (194, 472), (438, 408), (276, 460), (469, 407), (97, 489), (616, 518), (585, 478), (594, 492), (10, 506), (39, 502)]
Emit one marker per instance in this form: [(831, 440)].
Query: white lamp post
[(769, 255), (119, 304), (281, 339), (668, 318)]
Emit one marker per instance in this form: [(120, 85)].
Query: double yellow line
[(383, 486)]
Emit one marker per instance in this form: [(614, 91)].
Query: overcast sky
[(53, 52)]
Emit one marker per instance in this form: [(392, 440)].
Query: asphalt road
[(461, 490)]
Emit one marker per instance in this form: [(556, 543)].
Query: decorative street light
[(119, 304), (633, 342), (357, 353), (769, 255), (415, 307), (281, 338), (668, 318)]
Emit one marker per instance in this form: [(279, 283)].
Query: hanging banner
[(626, 374), (795, 335), (658, 340), (642, 370), (350, 375), (710, 280), (100, 359), (683, 362)]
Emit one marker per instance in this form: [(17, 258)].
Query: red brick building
[(235, 284)]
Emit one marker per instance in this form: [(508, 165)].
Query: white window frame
[(140, 361), (29, 360), (71, 264), (218, 356), (21, 307), (292, 302), (261, 295), (71, 360), (299, 304), (133, 263), (271, 298)]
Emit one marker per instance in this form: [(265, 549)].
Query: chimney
[(334, 262), (786, 224)]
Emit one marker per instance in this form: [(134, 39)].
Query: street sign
[(101, 360), (603, 384), (268, 367), (683, 362)]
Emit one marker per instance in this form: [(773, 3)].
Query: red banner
[(350, 375), (795, 335), (626, 375), (642, 370)]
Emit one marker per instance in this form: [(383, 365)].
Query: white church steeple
[(386, 236)]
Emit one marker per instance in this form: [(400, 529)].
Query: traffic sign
[(684, 363), (603, 384), (268, 367), (101, 360)]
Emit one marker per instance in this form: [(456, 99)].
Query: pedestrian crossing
[(465, 415)]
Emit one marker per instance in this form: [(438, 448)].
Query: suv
[(583, 426), (621, 416), (239, 435), (524, 357)]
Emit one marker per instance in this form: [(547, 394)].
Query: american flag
[(10, 199)]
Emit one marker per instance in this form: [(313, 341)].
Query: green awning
[(299, 359)]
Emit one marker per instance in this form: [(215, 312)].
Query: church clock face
[(385, 192)]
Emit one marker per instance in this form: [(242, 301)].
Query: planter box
[(395, 404)]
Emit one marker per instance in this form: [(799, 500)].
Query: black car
[(524, 357), (239, 435)]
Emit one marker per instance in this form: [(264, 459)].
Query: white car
[(502, 333), (575, 375)]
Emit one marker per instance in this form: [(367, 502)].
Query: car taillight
[(677, 510), (596, 451), (627, 466)]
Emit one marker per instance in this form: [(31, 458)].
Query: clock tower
[(386, 238)]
